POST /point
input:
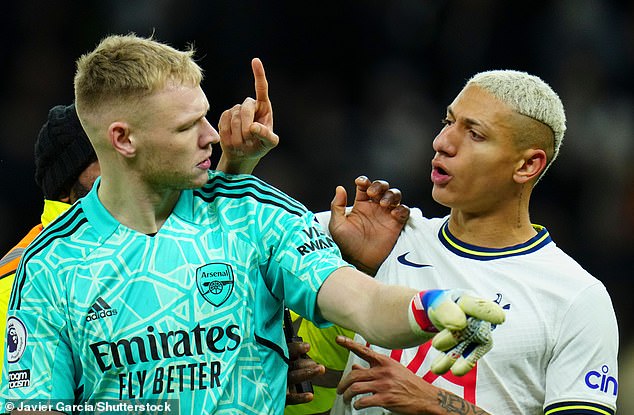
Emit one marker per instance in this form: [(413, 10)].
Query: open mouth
[(439, 175)]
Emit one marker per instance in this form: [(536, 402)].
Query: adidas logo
[(100, 309)]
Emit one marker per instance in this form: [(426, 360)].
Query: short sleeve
[(304, 257), (38, 362), (582, 373)]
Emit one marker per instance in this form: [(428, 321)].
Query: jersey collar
[(486, 254)]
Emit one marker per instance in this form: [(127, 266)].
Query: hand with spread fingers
[(388, 384), (366, 233)]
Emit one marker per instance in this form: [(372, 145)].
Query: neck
[(502, 226), (489, 232), (138, 207)]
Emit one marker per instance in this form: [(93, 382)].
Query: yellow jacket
[(324, 350), (9, 263)]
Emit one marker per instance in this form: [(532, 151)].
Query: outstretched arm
[(367, 233), (246, 130), (395, 316), (379, 312)]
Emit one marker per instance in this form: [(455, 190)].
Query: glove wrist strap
[(418, 319)]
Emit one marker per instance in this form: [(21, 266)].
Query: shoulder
[(566, 268), (9, 262), (247, 191), (418, 219), (418, 228), (65, 237), (59, 247)]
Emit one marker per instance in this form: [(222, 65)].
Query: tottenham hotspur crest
[(215, 282)]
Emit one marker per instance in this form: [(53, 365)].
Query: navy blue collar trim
[(487, 254)]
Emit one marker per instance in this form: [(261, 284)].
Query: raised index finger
[(261, 84)]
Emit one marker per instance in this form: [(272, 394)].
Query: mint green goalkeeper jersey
[(191, 314)]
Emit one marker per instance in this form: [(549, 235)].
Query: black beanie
[(62, 152)]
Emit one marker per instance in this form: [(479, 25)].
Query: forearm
[(431, 400), (243, 166), (448, 403), (377, 311), (424, 400), (384, 382)]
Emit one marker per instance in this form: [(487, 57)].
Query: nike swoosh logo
[(404, 261)]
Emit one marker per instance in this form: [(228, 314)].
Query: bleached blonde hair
[(123, 68), (528, 95)]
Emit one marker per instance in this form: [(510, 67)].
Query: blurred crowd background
[(360, 87)]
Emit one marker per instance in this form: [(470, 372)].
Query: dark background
[(360, 87)]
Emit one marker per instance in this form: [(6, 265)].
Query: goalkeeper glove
[(462, 323), (460, 350)]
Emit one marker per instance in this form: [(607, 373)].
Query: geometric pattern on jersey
[(111, 313), (9, 263), (557, 349)]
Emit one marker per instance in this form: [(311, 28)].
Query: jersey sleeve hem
[(578, 407)]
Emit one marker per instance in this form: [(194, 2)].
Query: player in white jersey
[(169, 282), (557, 352)]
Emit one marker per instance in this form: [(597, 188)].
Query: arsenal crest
[(215, 282)]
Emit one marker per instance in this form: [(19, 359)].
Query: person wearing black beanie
[(66, 167), (62, 152)]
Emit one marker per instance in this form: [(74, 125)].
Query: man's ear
[(64, 198), (531, 165), (119, 135)]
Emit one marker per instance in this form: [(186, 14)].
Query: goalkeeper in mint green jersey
[(168, 281)]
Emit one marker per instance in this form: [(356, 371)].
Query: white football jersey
[(556, 351)]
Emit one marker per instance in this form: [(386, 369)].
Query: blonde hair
[(528, 95), (127, 67)]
